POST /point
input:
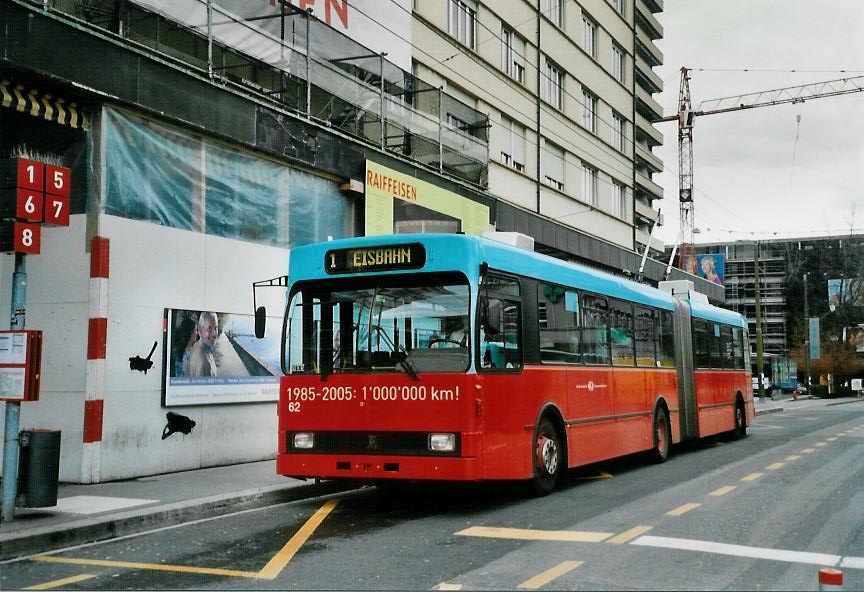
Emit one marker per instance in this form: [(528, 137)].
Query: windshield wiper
[(401, 356)]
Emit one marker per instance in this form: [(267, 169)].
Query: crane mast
[(686, 115)]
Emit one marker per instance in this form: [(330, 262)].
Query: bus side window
[(646, 337), (621, 333), (666, 354), (595, 330), (500, 324)]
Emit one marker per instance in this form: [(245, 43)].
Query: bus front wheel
[(662, 435), (547, 457)]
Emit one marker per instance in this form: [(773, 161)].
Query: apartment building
[(568, 87)]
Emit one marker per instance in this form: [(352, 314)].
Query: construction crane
[(686, 116)]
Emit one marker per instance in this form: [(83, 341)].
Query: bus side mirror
[(260, 321)]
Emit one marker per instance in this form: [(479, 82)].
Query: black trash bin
[(38, 468)]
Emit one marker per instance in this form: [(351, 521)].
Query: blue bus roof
[(448, 252)]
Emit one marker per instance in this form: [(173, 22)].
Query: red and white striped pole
[(97, 338), (830, 579)]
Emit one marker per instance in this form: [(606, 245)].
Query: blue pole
[(13, 408)]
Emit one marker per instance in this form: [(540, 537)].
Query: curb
[(771, 410), (102, 528)]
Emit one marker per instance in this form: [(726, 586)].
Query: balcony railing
[(288, 57)]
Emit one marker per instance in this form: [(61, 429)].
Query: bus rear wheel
[(547, 457), (740, 430), (662, 435)]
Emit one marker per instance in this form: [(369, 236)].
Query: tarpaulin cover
[(161, 175)]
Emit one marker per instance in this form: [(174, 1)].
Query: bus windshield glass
[(406, 323)]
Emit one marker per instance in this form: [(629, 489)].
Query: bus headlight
[(442, 442), (304, 440)]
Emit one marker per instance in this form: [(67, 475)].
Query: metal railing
[(288, 57)]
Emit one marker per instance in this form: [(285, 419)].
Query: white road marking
[(752, 552), (765, 426)]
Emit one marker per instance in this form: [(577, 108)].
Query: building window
[(589, 184), (619, 128), (513, 148), (554, 11), (553, 87), (513, 54), (618, 64), (462, 21), (618, 5), (589, 36), (619, 203), (552, 162), (589, 111), (456, 123)]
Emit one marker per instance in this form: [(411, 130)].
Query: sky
[(760, 173)]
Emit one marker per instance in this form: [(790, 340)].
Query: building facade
[(568, 89), (205, 138), (828, 261)]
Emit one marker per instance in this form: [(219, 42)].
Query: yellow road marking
[(808, 450), (528, 534), (63, 582), (723, 490), (682, 509), (830, 439), (792, 457), (150, 566), (718, 443), (629, 535), (549, 575), (270, 571), (774, 466), (819, 444), (275, 566), (751, 477), (446, 586)]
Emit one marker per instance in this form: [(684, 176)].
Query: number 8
[(27, 237)]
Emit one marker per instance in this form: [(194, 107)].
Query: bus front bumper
[(335, 466)]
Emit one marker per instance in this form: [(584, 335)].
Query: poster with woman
[(214, 357)]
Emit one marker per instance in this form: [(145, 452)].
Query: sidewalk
[(88, 513)]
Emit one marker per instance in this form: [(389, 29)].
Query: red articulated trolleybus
[(451, 357)]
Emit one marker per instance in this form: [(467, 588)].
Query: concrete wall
[(151, 268)]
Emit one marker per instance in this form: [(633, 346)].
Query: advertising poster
[(712, 268), (214, 358), (845, 291)]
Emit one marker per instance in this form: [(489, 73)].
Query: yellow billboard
[(399, 203)]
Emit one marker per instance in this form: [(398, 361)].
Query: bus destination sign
[(368, 259)]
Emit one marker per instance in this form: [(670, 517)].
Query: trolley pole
[(13, 408)]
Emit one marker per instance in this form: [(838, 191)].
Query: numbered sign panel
[(31, 174), (56, 210), (28, 205), (57, 180), (20, 237)]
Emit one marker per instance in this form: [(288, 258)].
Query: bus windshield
[(412, 323)]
